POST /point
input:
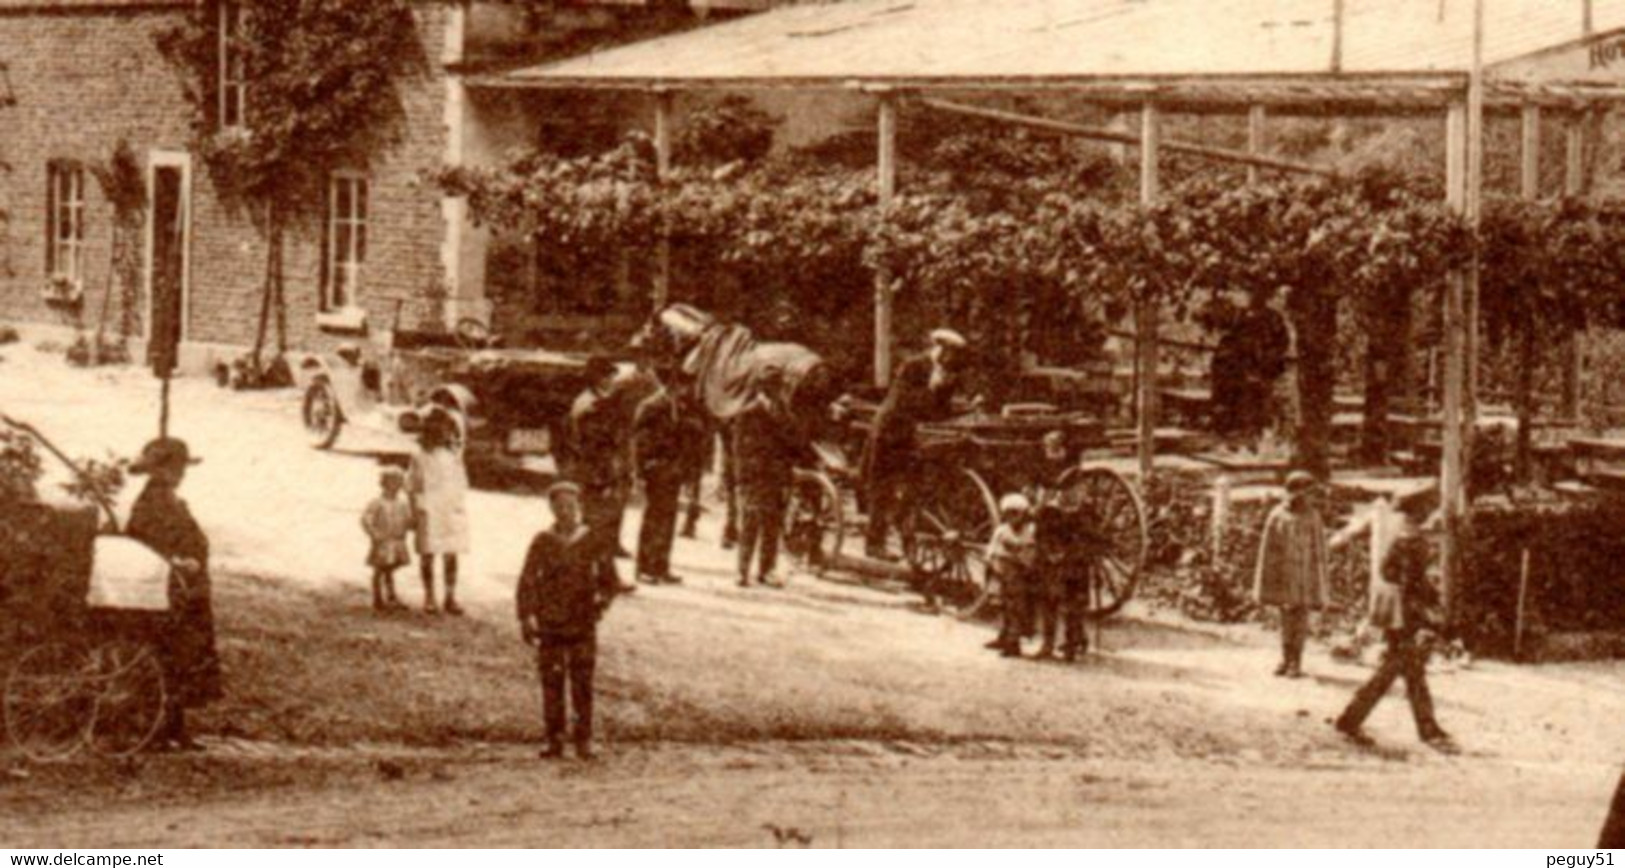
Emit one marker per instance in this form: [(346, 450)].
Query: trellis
[(1530, 81)]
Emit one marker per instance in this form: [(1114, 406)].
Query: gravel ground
[(829, 710)]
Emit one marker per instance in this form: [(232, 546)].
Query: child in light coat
[(387, 521)]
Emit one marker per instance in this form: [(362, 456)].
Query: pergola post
[(1529, 190), (887, 123), (1461, 331), (1574, 184), (664, 100), (1145, 312), (1452, 481), (1256, 144)]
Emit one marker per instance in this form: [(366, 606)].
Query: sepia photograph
[(780, 424)]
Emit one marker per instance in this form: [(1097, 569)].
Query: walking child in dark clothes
[(564, 589), (765, 464), (387, 521), (1403, 606)]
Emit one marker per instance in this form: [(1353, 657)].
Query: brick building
[(77, 77)]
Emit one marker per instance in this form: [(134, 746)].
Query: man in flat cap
[(598, 454), (162, 520), (1292, 568), (922, 390), (566, 585)]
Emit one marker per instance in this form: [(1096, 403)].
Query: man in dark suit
[(660, 448), (922, 390), (597, 457)]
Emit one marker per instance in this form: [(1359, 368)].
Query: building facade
[(78, 78)]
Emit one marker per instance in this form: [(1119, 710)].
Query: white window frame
[(346, 263), (232, 72), (65, 222)]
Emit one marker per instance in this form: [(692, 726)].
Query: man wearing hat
[(566, 585), (1292, 568), (764, 464), (922, 390), (598, 457), (663, 431), (161, 520)]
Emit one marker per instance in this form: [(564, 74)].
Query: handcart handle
[(102, 501)]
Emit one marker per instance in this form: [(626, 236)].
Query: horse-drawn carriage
[(966, 463), (82, 613)]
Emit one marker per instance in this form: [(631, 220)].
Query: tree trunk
[(1314, 314), (278, 283), (265, 302)]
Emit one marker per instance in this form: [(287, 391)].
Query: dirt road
[(832, 710)]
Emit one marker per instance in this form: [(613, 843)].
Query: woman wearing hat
[(1292, 568), (162, 521)]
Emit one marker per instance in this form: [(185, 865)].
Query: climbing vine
[(324, 93)]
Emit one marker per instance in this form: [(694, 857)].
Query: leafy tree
[(324, 93)]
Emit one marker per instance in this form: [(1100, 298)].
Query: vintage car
[(513, 403)]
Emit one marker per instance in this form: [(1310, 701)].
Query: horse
[(721, 367)]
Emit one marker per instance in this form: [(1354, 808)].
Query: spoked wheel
[(947, 536), (814, 525), (129, 697), (1107, 503), (323, 418), (49, 702)]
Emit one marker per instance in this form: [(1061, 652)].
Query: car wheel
[(323, 418)]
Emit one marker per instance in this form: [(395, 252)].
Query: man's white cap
[(949, 338), (1014, 503)]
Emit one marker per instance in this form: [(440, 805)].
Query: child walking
[(387, 521)]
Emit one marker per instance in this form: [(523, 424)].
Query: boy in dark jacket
[(1403, 607), (567, 583)]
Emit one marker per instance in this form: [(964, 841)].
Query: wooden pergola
[(1455, 59)]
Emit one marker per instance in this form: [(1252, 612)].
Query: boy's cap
[(392, 472), (563, 486), (1299, 480)]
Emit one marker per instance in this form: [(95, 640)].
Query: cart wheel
[(129, 694), (49, 702), (947, 536), (814, 525), (1108, 500), (472, 334), (323, 418)]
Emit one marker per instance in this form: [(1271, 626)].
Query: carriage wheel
[(1106, 497), (947, 537), (815, 523), (130, 698), (49, 703), (323, 418)]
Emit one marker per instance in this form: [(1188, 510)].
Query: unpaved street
[(831, 710)]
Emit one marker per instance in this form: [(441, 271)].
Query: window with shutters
[(65, 225), (346, 241)]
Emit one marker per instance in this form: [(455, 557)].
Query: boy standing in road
[(564, 589), (1292, 568)]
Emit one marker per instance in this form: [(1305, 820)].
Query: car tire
[(322, 415)]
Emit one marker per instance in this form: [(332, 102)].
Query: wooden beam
[(664, 100), (1145, 312), (1256, 142), (1106, 134), (887, 158)]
